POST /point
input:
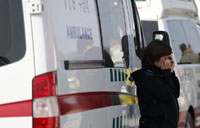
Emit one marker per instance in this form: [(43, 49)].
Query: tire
[(189, 121)]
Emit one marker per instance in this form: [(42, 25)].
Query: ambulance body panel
[(69, 63)]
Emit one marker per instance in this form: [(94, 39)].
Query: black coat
[(157, 91)]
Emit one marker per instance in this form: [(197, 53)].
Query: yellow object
[(128, 74)]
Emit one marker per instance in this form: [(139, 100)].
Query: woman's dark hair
[(154, 51)]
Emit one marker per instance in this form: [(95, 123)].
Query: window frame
[(139, 31)]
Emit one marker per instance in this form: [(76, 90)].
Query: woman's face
[(161, 61)]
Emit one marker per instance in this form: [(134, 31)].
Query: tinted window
[(12, 46)]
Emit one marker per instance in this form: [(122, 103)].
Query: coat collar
[(153, 69)]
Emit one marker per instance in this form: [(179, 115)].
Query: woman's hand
[(172, 63), (166, 64)]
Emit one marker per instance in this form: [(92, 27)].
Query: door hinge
[(34, 8)]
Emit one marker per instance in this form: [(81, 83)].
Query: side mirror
[(125, 49), (161, 35)]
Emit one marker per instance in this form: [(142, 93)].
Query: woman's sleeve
[(160, 88), (176, 85)]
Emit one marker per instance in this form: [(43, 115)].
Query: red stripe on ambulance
[(18, 109), (83, 101), (47, 106)]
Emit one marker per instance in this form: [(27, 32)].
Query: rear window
[(12, 46)]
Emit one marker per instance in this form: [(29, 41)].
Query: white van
[(197, 6), (178, 18), (62, 63)]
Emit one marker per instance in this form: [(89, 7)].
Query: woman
[(157, 87)]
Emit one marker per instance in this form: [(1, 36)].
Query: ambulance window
[(138, 39), (149, 27), (193, 41), (12, 46), (185, 41), (113, 29), (134, 33), (177, 37)]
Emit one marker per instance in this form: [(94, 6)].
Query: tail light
[(45, 104), (50, 122)]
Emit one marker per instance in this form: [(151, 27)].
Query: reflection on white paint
[(74, 83), (124, 89), (73, 124), (115, 3)]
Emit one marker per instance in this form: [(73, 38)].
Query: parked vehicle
[(197, 6), (64, 63), (178, 18)]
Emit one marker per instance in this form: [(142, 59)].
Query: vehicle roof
[(152, 9)]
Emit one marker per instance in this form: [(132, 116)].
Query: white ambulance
[(179, 19), (64, 63), (197, 6)]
